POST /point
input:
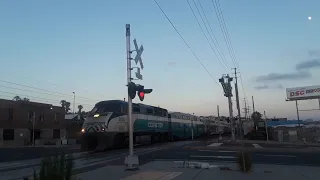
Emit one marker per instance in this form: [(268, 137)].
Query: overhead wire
[(224, 30), (53, 92), (38, 92), (186, 43), (43, 81), (40, 98), (212, 36)]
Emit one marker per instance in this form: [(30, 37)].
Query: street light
[(192, 126), (74, 100), (33, 122)]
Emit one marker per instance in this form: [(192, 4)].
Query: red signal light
[(141, 94)]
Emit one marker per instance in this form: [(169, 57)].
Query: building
[(19, 119), (74, 126)]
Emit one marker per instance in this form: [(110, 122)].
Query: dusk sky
[(76, 45)]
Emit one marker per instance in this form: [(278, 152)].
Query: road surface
[(175, 151)]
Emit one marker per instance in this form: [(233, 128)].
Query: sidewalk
[(300, 143), (166, 170)]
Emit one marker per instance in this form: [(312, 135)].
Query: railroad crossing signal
[(226, 86), (139, 53), (138, 74), (134, 88)]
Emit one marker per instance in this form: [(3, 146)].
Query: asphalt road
[(261, 156), (220, 154), (24, 153), (174, 151)]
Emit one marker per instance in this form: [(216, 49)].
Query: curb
[(252, 149)]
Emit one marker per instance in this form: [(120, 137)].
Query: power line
[(42, 81), (244, 93), (225, 33), (212, 36), (186, 42), (34, 97), (51, 94), (63, 94), (224, 66), (224, 30)]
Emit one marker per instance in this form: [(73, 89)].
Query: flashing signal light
[(141, 95), (133, 88)]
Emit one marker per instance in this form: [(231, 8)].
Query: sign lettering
[(307, 92), (155, 125)]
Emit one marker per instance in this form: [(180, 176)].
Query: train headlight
[(82, 130)]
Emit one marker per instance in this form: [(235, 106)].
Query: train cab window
[(150, 111), (157, 112), (104, 108), (164, 113)]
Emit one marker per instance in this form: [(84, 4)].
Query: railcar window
[(150, 111), (136, 109), (164, 113), (157, 112)]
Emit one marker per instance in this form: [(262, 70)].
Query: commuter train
[(106, 126)]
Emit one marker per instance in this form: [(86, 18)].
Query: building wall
[(47, 118)]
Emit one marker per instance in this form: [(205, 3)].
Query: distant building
[(74, 124), (277, 119), (17, 119)]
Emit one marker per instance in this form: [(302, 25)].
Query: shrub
[(244, 161), (57, 167)]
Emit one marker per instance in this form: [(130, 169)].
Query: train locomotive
[(106, 126)]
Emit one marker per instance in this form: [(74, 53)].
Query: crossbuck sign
[(139, 52)]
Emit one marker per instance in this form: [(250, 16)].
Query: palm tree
[(66, 105), (26, 99), (80, 107), (256, 116), (17, 98)]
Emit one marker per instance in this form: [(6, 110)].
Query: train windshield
[(104, 108)]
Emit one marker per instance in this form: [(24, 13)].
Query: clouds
[(283, 76), (315, 63), (171, 63), (301, 72), (314, 53), (263, 87)]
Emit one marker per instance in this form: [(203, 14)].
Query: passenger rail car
[(106, 126)]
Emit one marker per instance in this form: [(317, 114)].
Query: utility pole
[(219, 130), (74, 101), (227, 88), (298, 116), (253, 105), (33, 124), (238, 104), (131, 160), (266, 126), (245, 109)]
